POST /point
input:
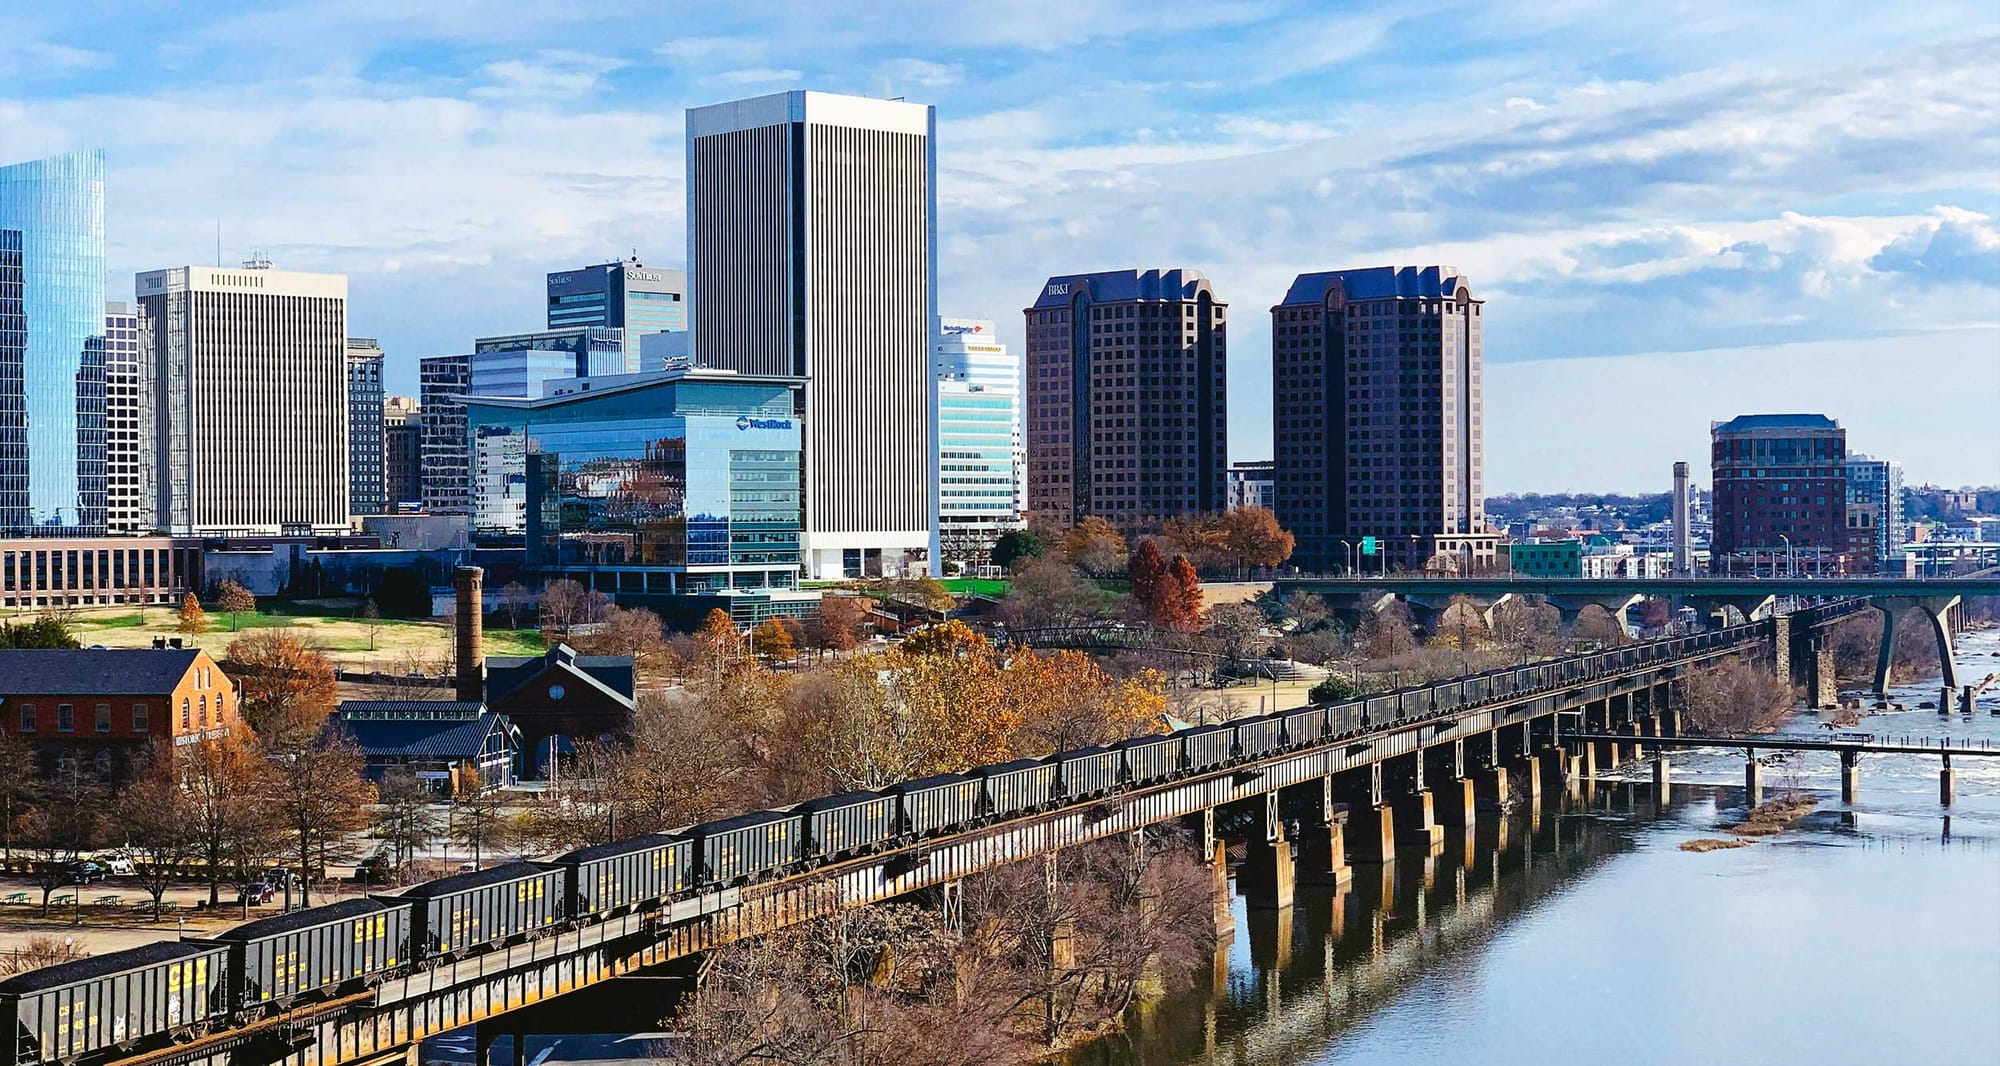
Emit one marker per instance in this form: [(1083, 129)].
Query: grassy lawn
[(976, 586), (397, 644)]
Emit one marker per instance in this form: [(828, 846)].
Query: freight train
[(108, 1005)]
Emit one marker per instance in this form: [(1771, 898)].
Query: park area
[(388, 645)]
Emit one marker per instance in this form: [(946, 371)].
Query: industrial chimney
[(470, 650), (1683, 536)]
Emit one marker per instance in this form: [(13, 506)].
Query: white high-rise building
[(979, 439), (812, 251), (123, 447), (246, 404)]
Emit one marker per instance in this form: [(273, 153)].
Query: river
[(1867, 934)]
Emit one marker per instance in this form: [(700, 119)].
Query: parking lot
[(117, 912)]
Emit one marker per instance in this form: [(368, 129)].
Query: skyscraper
[(812, 245), (979, 439), (1876, 529), (402, 451), (627, 295), (247, 404), (1378, 428), (1780, 485), (52, 346), (365, 491), (442, 383), (123, 447), (1126, 414)]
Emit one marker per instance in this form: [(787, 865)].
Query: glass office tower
[(52, 346), (675, 484)]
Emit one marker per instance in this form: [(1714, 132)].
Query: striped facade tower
[(246, 410), (812, 252)]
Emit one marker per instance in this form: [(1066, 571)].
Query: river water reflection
[(1868, 934)]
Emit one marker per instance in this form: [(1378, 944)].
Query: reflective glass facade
[(976, 472), (696, 476), (626, 294), (52, 420)]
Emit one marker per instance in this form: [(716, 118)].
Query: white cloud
[(758, 76), (548, 74)]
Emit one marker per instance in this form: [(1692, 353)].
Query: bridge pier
[(1416, 821), (1322, 857), (1218, 864), (1947, 778), (1753, 777), (1850, 776), (1937, 611), (1267, 875), (1456, 802), (1374, 833), (1526, 779), (1491, 787), (1663, 784)]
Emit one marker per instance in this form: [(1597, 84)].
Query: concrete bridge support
[(1372, 834), (1662, 780), (1753, 778), (1850, 777), (1937, 611), (1267, 876), (1746, 606), (1570, 608), (1947, 780), (1322, 856)]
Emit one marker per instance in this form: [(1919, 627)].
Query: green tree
[(1332, 689), (46, 631), (1014, 546)]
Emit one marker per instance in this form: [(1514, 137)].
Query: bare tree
[(1735, 696), (514, 600), (567, 605), (324, 799), (159, 820), (229, 786), (405, 822)]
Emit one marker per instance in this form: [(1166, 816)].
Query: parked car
[(256, 895), (85, 872), (119, 863), (278, 877)]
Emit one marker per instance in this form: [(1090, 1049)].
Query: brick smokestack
[(1683, 534), (470, 652)]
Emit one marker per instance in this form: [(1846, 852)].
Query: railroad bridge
[(1356, 798)]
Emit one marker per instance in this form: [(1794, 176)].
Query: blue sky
[(1676, 212)]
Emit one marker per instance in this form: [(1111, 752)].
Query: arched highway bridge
[(1730, 598)]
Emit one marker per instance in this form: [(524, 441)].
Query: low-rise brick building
[(108, 705)]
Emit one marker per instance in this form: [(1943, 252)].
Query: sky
[(1676, 212)]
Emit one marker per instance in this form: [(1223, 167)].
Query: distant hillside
[(1635, 510)]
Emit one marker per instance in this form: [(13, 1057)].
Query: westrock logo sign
[(746, 422)]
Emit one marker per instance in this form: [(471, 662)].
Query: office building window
[(104, 718), (65, 718), (27, 718), (142, 718)]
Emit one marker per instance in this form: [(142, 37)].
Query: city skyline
[(1661, 203)]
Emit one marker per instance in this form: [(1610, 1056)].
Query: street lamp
[(1791, 562)]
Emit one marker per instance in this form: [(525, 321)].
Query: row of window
[(141, 716)]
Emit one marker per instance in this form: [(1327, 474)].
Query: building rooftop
[(1110, 286), (614, 674), (93, 671), (1378, 283), (445, 738), (1746, 423)]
